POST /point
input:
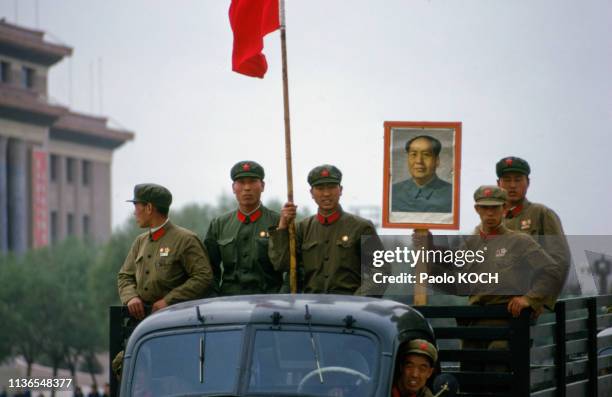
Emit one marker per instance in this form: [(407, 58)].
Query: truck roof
[(388, 319)]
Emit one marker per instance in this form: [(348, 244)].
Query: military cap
[(157, 195), (490, 195), (325, 173), (247, 169), (512, 164), (419, 346)]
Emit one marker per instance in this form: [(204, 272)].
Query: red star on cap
[(508, 161), (246, 166), (423, 346), (488, 192), (325, 173)]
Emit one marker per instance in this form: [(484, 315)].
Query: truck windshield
[(174, 364), (287, 363)]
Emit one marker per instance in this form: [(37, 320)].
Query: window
[(53, 164), (27, 77), (86, 172), (172, 364), (70, 224), (347, 362), (85, 225), (70, 169), (54, 227), (4, 71)]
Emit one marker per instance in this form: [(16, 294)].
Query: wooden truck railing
[(557, 356)]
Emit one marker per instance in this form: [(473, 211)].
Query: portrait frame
[(396, 175)]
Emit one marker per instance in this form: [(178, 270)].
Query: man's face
[(416, 369), (490, 215), (516, 185), (422, 162), (327, 196), (248, 192), (143, 213)]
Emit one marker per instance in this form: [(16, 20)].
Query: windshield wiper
[(202, 347), (314, 346)]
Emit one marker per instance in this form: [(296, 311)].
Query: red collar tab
[(489, 236), (514, 211), (328, 220), (246, 219), (159, 233)]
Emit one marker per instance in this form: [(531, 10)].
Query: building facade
[(55, 164)]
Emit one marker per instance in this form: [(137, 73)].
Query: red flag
[(251, 20)]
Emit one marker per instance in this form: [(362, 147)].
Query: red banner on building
[(40, 203)]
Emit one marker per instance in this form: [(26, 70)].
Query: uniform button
[(146, 272), (245, 254), (326, 258), (148, 256), (146, 289), (245, 238), (326, 241), (326, 276)]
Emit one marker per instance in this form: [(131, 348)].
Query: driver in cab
[(414, 366)]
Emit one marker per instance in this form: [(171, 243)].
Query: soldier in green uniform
[(237, 241), (328, 243), (521, 263), (167, 264), (528, 276), (414, 366), (535, 219)]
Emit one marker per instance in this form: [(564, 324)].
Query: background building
[(55, 164)]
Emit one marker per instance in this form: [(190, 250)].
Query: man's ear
[(263, 185), (499, 182), (437, 161), (340, 189)]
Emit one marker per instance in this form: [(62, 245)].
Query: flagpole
[(292, 261)]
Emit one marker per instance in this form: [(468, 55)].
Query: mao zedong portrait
[(424, 191)]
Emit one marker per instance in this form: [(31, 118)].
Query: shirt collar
[(156, 233), (427, 189), (517, 209), (331, 218), (500, 229), (252, 216)]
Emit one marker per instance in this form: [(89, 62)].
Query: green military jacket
[(522, 266), (171, 264), (238, 249), (543, 224), (328, 255)]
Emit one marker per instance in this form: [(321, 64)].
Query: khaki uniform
[(328, 253), (238, 248), (524, 268), (171, 264), (541, 223)]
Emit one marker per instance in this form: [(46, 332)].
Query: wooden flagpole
[(292, 262)]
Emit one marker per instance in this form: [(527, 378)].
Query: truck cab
[(270, 345)]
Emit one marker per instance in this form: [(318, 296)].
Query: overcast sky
[(526, 78)]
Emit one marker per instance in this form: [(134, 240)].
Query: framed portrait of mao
[(422, 164)]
